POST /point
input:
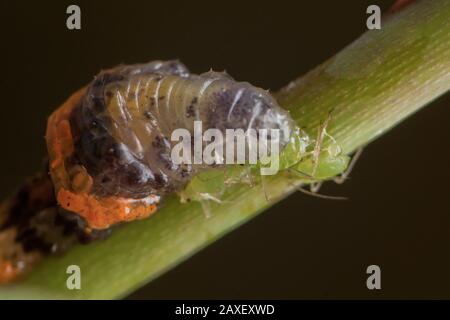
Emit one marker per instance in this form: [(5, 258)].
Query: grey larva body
[(123, 125)]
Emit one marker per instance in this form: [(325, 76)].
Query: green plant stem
[(377, 81)]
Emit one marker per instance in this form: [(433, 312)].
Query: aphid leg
[(227, 177), (206, 208), (321, 133), (205, 203), (314, 187), (208, 196), (263, 185), (199, 177), (249, 176), (341, 179)]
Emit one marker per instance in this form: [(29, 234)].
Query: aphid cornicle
[(109, 145)]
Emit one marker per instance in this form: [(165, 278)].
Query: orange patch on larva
[(8, 272), (60, 141), (399, 5), (99, 212), (103, 212)]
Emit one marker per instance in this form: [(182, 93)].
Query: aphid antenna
[(318, 195), (263, 185)]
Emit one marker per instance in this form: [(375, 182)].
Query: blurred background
[(398, 212)]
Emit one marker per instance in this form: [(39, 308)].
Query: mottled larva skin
[(121, 128)]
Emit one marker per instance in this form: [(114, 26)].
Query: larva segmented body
[(121, 163), (110, 154)]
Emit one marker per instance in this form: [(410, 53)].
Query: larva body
[(110, 160), (116, 164)]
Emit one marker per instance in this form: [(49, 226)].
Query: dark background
[(398, 215)]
